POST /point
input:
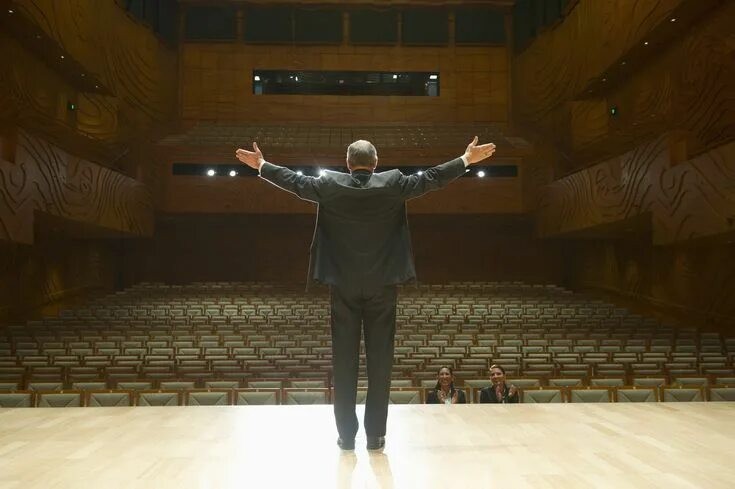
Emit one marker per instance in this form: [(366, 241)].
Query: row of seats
[(300, 136), (408, 395), (420, 381), (289, 335)]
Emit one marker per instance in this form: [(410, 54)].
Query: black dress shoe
[(375, 442), (346, 444)]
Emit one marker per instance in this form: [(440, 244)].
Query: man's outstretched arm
[(304, 187), (441, 175)]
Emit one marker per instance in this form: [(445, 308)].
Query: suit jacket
[(361, 237), (487, 395)]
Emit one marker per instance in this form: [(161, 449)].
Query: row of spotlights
[(211, 172), (395, 77)]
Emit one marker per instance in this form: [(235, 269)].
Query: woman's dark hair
[(495, 365), (451, 385)]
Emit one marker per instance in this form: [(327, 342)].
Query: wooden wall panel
[(55, 269), (217, 84), (690, 284), (186, 194), (688, 200), (683, 82), (125, 55), (43, 178), (562, 62), (275, 248)]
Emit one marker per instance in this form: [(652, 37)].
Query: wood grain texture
[(192, 194), (216, 84), (690, 200), (683, 82), (561, 62), (691, 285), (53, 269), (555, 446), (125, 55), (275, 248), (43, 178)]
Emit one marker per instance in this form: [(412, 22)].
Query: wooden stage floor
[(666, 445)]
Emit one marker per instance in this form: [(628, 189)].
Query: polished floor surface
[(666, 445)]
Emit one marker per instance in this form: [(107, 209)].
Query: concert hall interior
[(592, 256)]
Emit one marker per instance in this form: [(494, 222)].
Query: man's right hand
[(254, 159), (474, 153)]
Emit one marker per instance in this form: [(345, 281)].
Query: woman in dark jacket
[(499, 392), (444, 392)]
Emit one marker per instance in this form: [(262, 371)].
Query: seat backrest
[(135, 385), (405, 396), (45, 386), (158, 398), (607, 381), (58, 399), (89, 386), (566, 382), (649, 381), (306, 396), (721, 393), (591, 394), (172, 385), (17, 399), (208, 397), (683, 394), (308, 383), (221, 384), (117, 398), (636, 394), (254, 396), (541, 395)]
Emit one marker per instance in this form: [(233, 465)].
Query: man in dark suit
[(362, 250)]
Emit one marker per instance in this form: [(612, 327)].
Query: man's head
[(361, 155)]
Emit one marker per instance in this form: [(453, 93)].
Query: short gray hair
[(362, 153)]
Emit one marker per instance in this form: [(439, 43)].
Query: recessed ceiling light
[(233, 173), (481, 174)]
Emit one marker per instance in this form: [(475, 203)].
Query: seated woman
[(499, 392), (444, 392)]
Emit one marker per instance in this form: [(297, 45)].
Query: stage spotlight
[(299, 172), (256, 78), (433, 77), (10, 11), (420, 172), (467, 170), (645, 43), (481, 174), (673, 19), (322, 173), (62, 56), (233, 173), (211, 172), (395, 77)]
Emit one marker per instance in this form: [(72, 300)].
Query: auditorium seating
[(296, 137), (271, 343)]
